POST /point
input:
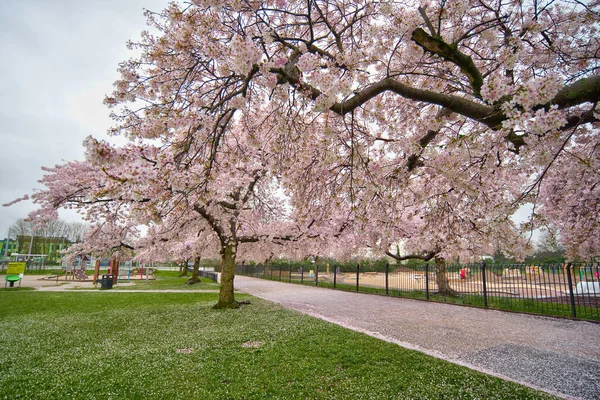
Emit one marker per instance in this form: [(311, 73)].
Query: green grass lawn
[(175, 346), (169, 280)]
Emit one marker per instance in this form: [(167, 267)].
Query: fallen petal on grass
[(252, 344), (184, 351)]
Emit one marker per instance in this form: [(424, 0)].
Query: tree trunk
[(228, 253), (194, 278), (442, 279), (115, 272), (183, 269)]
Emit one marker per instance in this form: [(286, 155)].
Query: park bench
[(14, 273)]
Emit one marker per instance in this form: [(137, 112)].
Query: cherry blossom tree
[(105, 239), (176, 197), (516, 79), (430, 121), (178, 238)]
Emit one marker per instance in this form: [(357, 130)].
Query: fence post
[(485, 303), (316, 274), (357, 271), (387, 286), (571, 295), (302, 274), (335, 276), (427, 281)]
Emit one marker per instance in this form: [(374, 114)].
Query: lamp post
[(29, 252), (6, 248)]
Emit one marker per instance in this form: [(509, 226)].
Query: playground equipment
[(14, 273), (125, 272)]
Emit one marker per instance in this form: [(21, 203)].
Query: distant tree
[(549, 242), (549, 249), (47, 238), (500, 258)]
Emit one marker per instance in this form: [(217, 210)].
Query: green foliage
[(173, 345), (499, 258), (381, 264), (546, 257), (417, 265)]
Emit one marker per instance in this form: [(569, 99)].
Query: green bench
[(14, 273)]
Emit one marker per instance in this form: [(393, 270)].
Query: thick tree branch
[(257, 238), (423, 12), (251, 186), (575, 120), (585, 90), (212, 221), (579, 92), (424, 256), (448, 52), (127, 246), (413, 160), (476, 111)]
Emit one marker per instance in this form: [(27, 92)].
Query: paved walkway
[(558, 356)]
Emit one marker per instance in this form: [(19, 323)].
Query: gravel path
[(558, 356)]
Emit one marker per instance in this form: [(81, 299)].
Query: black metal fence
[(567, 290)]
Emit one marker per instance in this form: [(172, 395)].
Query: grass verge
[(174, 345), (169, 280), (15, 289)]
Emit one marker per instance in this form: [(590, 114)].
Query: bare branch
[(422, 11)]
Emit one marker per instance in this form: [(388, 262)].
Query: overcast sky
[(59, 59)]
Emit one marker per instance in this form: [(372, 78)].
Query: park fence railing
[(566, 290), (210, 275)]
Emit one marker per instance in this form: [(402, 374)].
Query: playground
[(528, 286), (75, 276), (160, 280), (562, 290), (534, 283)]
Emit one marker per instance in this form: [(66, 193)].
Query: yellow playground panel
[(14, 273)]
